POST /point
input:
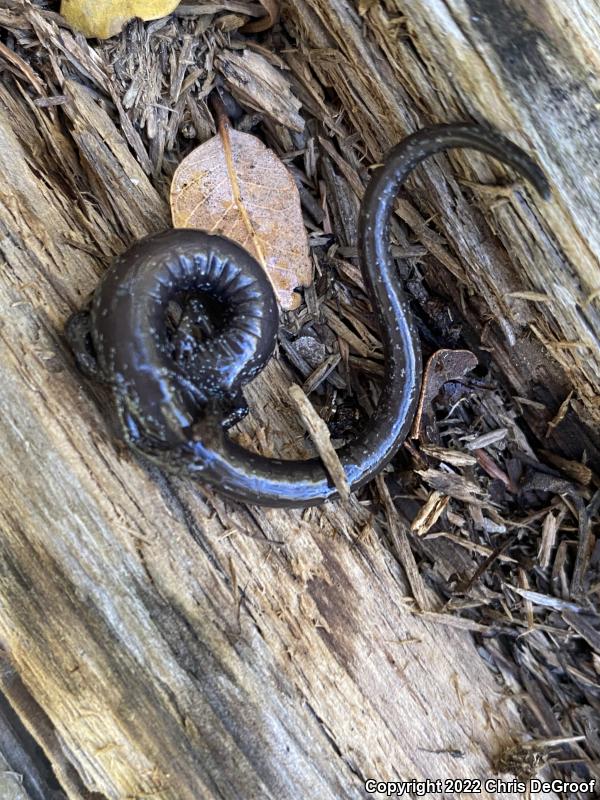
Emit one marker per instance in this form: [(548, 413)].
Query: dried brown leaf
[(106, 18), (443, 365), (266, 22), (234, 186)]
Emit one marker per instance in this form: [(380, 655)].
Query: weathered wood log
[(168, 644), (177, 645)]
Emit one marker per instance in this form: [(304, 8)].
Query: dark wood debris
[(494, 524)]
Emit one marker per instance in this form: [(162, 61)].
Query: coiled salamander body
[(177, 379)]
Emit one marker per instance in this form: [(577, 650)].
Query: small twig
[(489, 561), (319, 434), (398, 532), (584, 543)]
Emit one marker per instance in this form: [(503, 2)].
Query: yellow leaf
[(105, 18), (234, 186)]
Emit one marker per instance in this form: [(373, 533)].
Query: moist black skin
[(177, 388)]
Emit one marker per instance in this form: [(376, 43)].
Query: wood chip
[(534, 297), (455, 457), (493, 470), (524, 584), (545, 600), (468, 545), (585, 540), (560, 414), (399, 533), (487, 439), (548, 542), (344, 332), (429, 513), (494, 556), (583, 626), (259, 85), (23, 67), (453, 485), (573, 469), (319, 434), (321, 373)]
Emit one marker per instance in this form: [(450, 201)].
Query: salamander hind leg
[(78, 332), (234, 409)]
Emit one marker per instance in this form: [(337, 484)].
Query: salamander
[(184, 319)]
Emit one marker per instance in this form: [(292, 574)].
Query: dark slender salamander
[(177, 382)]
